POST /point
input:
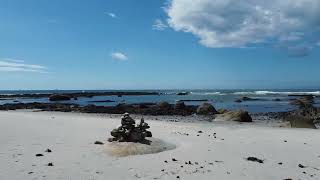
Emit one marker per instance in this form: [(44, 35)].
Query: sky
[(159, 44)]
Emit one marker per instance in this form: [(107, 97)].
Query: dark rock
[(102, 101), (98, 143), (249, 99), (238, 101), (50, 164), (39, 155), (173, 159), (48, 151), (164, 105), (130, 132), (206, 109), (179, 105), (183, 93), (59, 97), (301, 166), (254, 159)]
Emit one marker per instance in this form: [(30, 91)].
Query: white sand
[(71, 138)]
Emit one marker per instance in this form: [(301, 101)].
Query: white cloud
[(119, 56), (111, 14), (15, 65), (239, 23), (159, 25)]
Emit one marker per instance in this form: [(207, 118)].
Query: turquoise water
[(219, 98)]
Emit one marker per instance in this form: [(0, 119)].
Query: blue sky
[(124, 44)]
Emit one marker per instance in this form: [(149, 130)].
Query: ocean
[(219, 98)]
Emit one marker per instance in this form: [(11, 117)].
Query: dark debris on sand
[(254, 159)]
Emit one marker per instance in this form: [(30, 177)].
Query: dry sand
[(74, 155)]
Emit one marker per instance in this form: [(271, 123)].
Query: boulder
[(298, 121), (164, 105), (59, 97), (303, 102), (179, 105), (240, 116), (206, 109)]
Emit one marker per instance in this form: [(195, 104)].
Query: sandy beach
[(286, 153)]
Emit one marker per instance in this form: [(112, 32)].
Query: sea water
[(219, 98)]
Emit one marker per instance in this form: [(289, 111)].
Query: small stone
[(285, 141), (181, 166), (48, 151), (173, 159), (30, 172), (196, 163), (166, 161), (50, 164), (162, 170), (280, 163), (301, 166), (254, 159), (200, 132), (98, 143), (178, 177), (39, 155)]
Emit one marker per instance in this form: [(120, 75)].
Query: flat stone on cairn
[(130, 132)]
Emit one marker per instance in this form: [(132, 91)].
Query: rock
[(50, 164), (301, 166), (59, 97), (183, 93), (254, 159), (298, 121), (303, 102), (240, 116), (39, 155), (130, 132), (98, 143), (238, 101), (206, 109), (249, 99), (48, 151), (277, 99), (164, 105), (179, 105), (221, 111)]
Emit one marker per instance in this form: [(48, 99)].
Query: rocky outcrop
[(303, 102), (130, 132), (183, 93), (141, 108), (240, 116), (59, 97), (180, 105), (206, 109)]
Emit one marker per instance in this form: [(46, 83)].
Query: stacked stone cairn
[(130, 132)]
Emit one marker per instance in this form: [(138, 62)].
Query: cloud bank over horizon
[(241, 23)]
